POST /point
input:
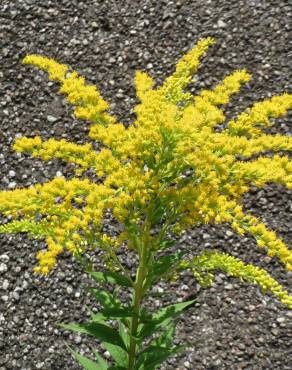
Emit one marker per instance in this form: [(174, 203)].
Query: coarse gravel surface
[(234, 326)]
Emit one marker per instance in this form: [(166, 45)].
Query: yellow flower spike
[(229, 86), (264, 170), (57, 71), (143, 83), (82, 155), (185, 69), (172, 168), (213, 260), (88, 102), (251, 122)]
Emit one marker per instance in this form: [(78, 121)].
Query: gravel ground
[(237, 328)]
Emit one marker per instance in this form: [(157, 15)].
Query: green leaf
[(153, 356), (106, 299), (101, 361), (117, 368), (99, 331), (165, 339), (117, 312), (171, 310), (167, 244), (162, 318), (87, 363), (157, 214), (124, 333), (98, 317), (162, 265), (112, 278), (113, 307), (117, 353)]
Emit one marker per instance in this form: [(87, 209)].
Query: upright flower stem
[(138, 297), (135, 319)]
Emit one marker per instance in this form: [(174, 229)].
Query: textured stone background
[(236, 326)]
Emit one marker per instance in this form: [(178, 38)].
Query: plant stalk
[(138, 297), (135, 320)]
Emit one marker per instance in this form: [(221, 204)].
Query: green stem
[(135, 320), (138, 297)]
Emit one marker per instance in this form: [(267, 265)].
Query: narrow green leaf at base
[(118, 354), (89, 364), (154, 356), (99, 331), (162, 318), (112, 278)]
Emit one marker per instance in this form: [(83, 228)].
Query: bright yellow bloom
[(208, 262), (251, 122), (171, 169)]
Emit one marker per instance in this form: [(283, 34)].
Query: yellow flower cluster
[(280, 171), (251, 122), (229, 86), (208, 262), (89, 104), (242, 223), (59, 202), (171, 167), (143, 83), (47, 259), (82, 155), (185, 69)]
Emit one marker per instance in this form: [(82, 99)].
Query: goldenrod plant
[(172, 169)]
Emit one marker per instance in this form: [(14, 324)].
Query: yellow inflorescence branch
[(57, 72), (226, 144), (82, 155), (230, 211), (210, 261), (143, 83), (251, 122), (185, 69), (229, 86), (264, 170), (88, 102), (171, 166)]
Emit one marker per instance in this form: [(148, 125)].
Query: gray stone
[(3, 267), (221, 23), (5, 284), (52, 119)]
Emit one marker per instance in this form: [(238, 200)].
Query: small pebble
[(3, 267), (5, 284), (78, 339), (52, 119), (221, 23), (280, 320)]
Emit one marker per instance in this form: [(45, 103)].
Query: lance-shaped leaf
[(112, 308), (162, 318), (153, 356), (163, 265), (105, 298), (102, 332), (165, 339), (112, 278), (87, 363), (118, 354)]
